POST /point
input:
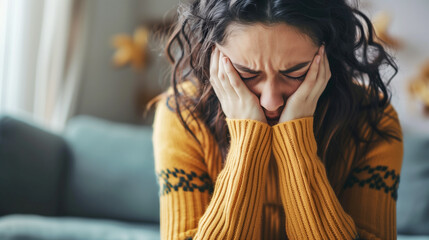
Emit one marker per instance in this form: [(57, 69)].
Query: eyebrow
[(245, 69), (295, 68), (289, 70)]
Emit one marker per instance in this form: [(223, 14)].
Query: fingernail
[(323, 49), (225, 60), (318, 59)]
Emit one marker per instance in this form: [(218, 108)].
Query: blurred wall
[(110, 93), (409, 24)]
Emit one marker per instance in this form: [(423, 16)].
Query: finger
[(321, 76), (322, 70), (327, 69), (224, 79), (323, 79), (214, 64), (235, 80), (214, 68), (305, 88), (220, 72), (325, 66)]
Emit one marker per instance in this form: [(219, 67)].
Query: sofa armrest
[(32, 167), (413, 193), (112, 173)]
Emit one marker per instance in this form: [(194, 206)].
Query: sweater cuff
[(295, 138), (250, 137)]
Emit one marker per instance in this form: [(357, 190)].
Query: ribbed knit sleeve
[(313, 211), (236, 207), (196, 204), (371, 190)]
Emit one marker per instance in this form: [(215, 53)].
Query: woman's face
[(271, 60)]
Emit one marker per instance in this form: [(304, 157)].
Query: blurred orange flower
[(419, 87), (131, 49)]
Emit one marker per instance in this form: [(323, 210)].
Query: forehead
[(279, 44)]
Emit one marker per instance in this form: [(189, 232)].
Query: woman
[(277, 125)]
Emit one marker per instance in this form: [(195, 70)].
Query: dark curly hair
[(350, 108)]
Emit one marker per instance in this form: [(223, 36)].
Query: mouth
[(273, 121), (273, 117)]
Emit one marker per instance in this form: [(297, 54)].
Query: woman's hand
[(237, 101), (303, 102)]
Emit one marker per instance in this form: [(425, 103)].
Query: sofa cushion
[(32, 162), (412, 237), (33, 227), (112, 172), (413, 192)]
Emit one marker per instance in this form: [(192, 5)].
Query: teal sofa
[(96, 181)]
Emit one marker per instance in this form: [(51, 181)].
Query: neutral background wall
[(110, 93), (409, 24)]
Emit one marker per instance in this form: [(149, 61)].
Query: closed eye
[(300, 78), (247, 78)]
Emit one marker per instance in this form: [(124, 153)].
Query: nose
[(271, 98)]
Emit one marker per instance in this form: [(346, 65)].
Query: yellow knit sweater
[(272, 185)]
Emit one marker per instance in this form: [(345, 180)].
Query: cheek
[(293, 86), (287, 89)]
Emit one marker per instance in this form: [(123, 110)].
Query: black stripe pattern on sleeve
[(178, 179), (378, 177)]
